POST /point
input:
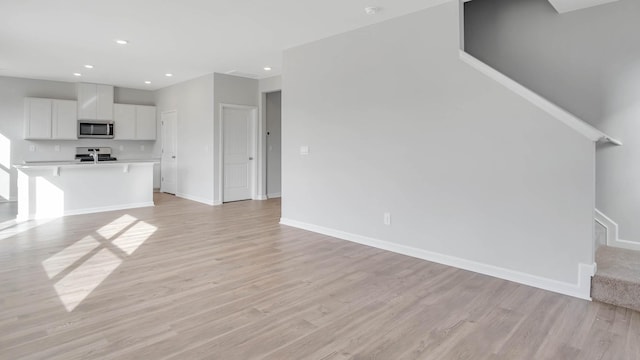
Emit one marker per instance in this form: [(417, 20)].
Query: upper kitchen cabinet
[(134, 122), (124, 119), (145, 122), (65, 120), (46, 119), (95, 102), (37, 118)]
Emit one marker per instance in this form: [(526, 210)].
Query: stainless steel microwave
[(95, 129)]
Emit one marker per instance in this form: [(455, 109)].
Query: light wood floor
[(189, 281)]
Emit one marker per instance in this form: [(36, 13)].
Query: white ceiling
[(52, 39)]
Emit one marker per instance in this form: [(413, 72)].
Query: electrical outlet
[(56, 148), (32, 148), (141, 147), (304, 150), (121, 147), (387, 218)]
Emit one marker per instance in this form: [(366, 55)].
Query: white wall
[(396, 122), (588, 62), (15, 150), (230, 90), (133, 96), (193, 101), (198, 102), (270, 84)]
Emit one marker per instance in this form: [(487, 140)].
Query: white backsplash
[(48, 150)]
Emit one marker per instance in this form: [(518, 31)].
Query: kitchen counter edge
[(84, 164)]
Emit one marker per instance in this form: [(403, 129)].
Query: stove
[(85, 154)]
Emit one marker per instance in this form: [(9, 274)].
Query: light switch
[(56, 148), (121, 147), (141, 147), (304, 150)]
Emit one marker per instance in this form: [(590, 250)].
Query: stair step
[(617, 280)]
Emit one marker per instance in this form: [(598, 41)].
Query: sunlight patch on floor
[(67, 257), (11, 228), (94, 257), (134, 237), (79, 283), (116, 226)]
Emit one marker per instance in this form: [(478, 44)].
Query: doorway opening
[(273, 115)]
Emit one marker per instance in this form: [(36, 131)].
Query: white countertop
[(75, 163)]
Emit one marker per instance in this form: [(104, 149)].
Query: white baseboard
[(196, 198), (626, 244), (580, 290), (36, 216), (260, 197), (274, 195), (9, 200), (613, 238)]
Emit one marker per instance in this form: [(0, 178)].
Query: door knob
[(173, 157), (250, 158)]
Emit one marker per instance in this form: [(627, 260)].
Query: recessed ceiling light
[(372, 10), (122, 42), (267, 68), (147, 82), (77, 74), (89, 66), (168, 75)]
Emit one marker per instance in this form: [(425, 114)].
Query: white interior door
[(169, 168), (238, 148)]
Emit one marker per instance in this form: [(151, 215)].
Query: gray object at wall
[(274, 168)]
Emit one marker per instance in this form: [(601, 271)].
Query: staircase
[(617, 280)]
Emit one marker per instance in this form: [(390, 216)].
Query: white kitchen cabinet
[(95, 102), (124, 118), (46, 119), (37, 118), (65, 120), (134, 122), (145, 122)]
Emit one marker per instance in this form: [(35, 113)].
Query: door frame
[(175, 136), (253, 136)]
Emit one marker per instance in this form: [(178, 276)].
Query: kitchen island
[(54, 189)]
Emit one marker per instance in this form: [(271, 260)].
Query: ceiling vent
[(372, 10)]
